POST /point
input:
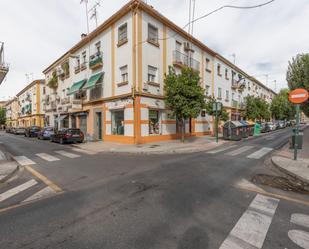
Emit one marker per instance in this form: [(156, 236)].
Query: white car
[(271, 126)]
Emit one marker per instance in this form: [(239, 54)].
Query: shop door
[(83, 124), (99, 125)]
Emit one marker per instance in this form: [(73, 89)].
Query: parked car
[(32, 131), (8, 129), (281, 124), (271, 126), (46, 133), (68, 135), (264, 128), (19, 131)]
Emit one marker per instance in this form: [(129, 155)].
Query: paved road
[(137, 201)]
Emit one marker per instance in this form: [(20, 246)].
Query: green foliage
[(256, 109), (298, 76), (2, 116), (223, 114), (53, 82), (281, 108), (184, 95)]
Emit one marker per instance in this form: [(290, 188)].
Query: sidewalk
[(194, 144), (299, 169), (8, 167)]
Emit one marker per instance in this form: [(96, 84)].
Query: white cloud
[(37, 32)]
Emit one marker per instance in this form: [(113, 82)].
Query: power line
[(212, 12)]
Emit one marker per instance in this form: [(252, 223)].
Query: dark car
[(32, 131), (69, 135), (265, 128), (19, 131), (46, 133), (8, 129)]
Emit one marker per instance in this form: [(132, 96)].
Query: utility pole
[(94, 13)]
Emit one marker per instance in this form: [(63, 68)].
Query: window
[(152, 74), (227, 95), (233, 96), (208, 65), (154, 122), (44, 90), (226, 74), (84, 56), (207, 89), (219, 70), (98, 47), (122, 33), (178, 46), (124, 74), (152, 34), (219, 93), (118, 122)]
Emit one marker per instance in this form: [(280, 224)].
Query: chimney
[(83, 35)]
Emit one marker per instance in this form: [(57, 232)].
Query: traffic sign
[(298, 96)]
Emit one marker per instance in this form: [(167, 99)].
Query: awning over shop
[(76, 86), (93, 80)]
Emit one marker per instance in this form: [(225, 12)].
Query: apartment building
[(111, 83), (12, 109), (29, 101)]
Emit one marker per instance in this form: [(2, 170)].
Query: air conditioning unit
[(145, 87)]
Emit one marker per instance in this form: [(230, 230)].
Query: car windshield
[(74, 132)]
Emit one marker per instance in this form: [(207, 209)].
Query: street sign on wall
[(298, 96)]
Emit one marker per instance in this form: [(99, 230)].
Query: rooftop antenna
[(94, 12)]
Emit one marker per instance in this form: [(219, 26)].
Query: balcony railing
[(65, 101), (96, 61), (96, 92), (184, 60)]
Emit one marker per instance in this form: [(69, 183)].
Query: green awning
[(93, 80), (76, 86)]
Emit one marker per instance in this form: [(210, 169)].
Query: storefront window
[(118, 122), (154, 122)]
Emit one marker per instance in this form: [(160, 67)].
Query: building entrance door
[(99, 125)]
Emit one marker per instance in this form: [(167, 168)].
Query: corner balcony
[(96, 61), (183, 60)]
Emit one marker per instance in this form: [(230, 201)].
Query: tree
[(184, 95), (256, 108), (298, 76), (223, 114), (281, 108), (2, 116), (53, 82)]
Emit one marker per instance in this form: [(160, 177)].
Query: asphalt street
[(111, 200)]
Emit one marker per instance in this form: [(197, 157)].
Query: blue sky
[(37, 32)]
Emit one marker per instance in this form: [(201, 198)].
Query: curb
[(305, 181), (11, 174)]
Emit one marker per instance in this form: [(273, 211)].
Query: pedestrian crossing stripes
[(260, 153), (84, 151), (239, 150), (2, 155), (47, 191), (251, 229), (47, 157), (18, 189), (67, 154), (221, 149), (23, 161)]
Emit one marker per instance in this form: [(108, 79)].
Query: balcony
[(77, 69), (234, 84), (235, 104), (183, 60), (96, 92), (96, 61), (65, 101)]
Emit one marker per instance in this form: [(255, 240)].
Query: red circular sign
[(298, 96)]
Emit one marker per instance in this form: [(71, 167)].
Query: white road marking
[(300, 219), (40, 194), (240, 150), (221, 149), (251, 229), (47, 157), (300, 238), (23, 161), (2, 155), (260, 153), (18, 189), (67, 154), (84, 151), (269, 138)]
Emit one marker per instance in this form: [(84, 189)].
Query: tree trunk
[(183, 130)]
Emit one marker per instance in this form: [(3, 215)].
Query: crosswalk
[(51, 157), (250, 151)]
